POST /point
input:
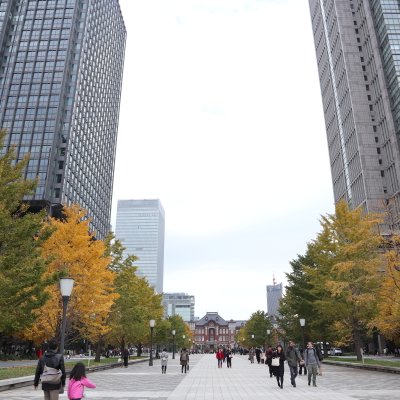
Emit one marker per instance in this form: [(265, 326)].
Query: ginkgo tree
[(136, 305), (72, 251), (387, 320), (345, 274), (21, 265)]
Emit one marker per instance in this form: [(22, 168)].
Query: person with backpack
[(184, 359), (312, 363), (320, 358), (78, 382), (293, 358), (302, 364), (50, 370)]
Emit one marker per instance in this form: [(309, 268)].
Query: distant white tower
[(140, 227)]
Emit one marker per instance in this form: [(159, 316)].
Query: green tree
[(115, 250), (136, 306), (181, 328), (257, 326), (21, 265), (344, 277), (300, 302), (162, 333), (387, 320)]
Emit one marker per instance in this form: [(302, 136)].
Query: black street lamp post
[(173, 346), (269, 334), (152, 323), (302, 324), (66, 285)]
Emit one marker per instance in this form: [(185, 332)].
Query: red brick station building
[(212, 331)]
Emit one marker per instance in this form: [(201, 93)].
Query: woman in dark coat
[(279, 371), (268, 354)]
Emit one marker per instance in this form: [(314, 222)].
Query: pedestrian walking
[(258, 355), (184, 359), (50, 370), (268, 356), (125, 356), (78, 382), (164, 361), (220, 357), (278, 366), (229, 356), (263, 357), (302, 364), (251, 355), (293, 358), (312, 363)]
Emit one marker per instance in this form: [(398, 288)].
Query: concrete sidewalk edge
[(378, 368)]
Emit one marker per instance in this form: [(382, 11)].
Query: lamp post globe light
[(302, 324), (173, 346), (66, 285), (269, 334), (152, 324)]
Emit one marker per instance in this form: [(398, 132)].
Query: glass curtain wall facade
[(274, 296), (179, 304), (140, 226), (61, 65), (358, 56)]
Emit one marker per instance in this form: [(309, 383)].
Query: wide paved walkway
[(244, 381)]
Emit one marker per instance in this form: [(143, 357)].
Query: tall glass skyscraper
[(61, 65), (358, 55), (140, 227), (179, 304), (274, 296)]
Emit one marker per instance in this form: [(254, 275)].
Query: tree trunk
[(98, 350), (139, 349), (325, 347), (122, 346), (358, 344)]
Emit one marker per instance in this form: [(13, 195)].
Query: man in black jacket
[(53, 360)]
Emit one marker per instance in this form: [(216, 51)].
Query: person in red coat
[(220, 357)]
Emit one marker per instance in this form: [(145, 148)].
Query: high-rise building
[(179, 304), (61, 65), (274, 296), (358, 59), (140, 227)]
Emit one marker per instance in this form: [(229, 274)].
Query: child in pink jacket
[(77, 382)]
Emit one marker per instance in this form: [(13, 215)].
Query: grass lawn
[(16, 372), (367, 361)]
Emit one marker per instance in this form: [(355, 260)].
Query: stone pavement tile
[(137, 382), (251, 381), (244, 381)]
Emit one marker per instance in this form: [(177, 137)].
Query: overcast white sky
[(221, 119)]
